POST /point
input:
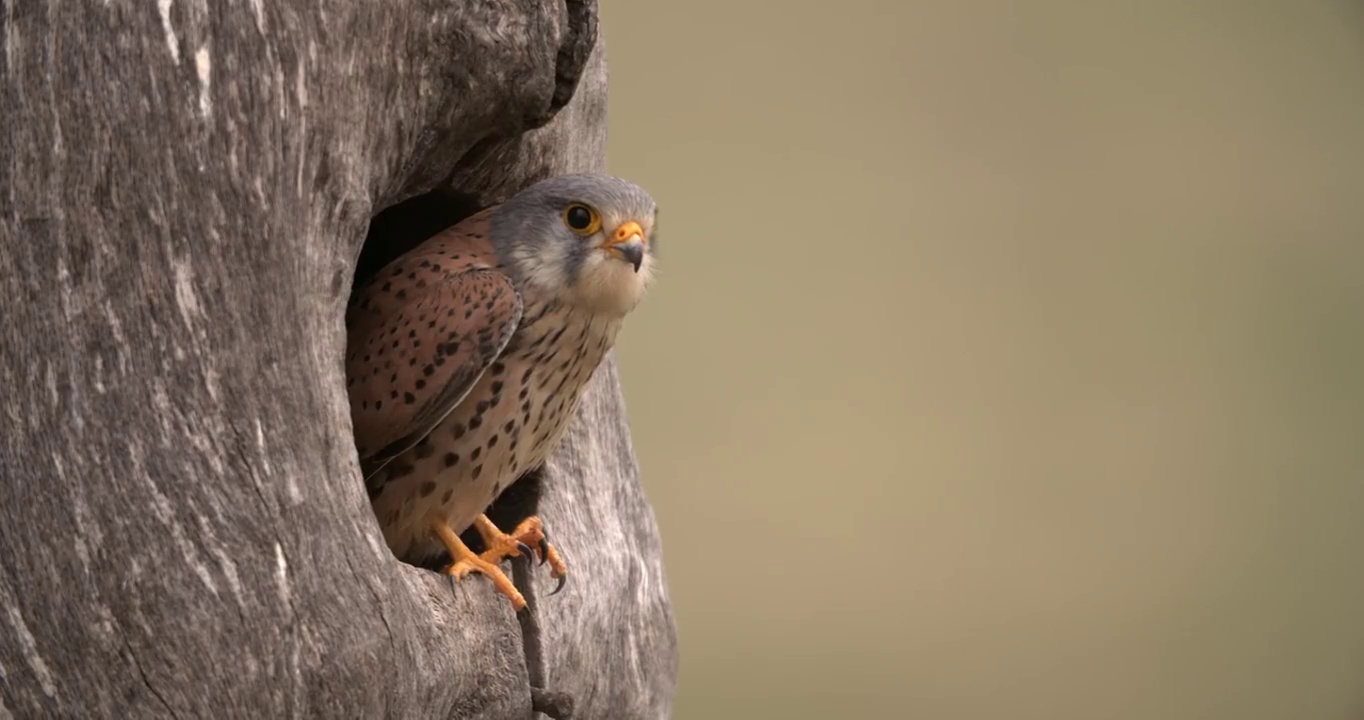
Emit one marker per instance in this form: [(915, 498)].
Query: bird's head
[(586, 239)]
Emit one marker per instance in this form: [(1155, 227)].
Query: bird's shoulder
[(440, 258)]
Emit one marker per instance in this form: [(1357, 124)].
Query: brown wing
[(420, 335)]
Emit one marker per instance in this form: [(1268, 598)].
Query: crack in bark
[(141, 672), (580, 36)]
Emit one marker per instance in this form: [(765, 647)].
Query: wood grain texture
[(184, 191)]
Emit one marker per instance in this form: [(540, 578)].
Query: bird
[(467, 356)]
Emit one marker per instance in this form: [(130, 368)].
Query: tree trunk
[(185, 190)]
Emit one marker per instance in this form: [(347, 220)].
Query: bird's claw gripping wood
[(463, 561), (530, 533)]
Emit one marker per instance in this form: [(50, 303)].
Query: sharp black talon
[(562, 580), (544, 551), (523, 548)]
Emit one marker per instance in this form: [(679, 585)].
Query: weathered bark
[(185, 188)]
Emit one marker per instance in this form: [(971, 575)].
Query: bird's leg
[(463, 561), (529, 534)]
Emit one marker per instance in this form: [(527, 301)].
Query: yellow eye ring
[(581, 219)]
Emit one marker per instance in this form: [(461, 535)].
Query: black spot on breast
[(475, 422), (474, 455), (492, 441), (458, 431), (451, 459), (510, 426), (423, 449), (497, 387), (409, 398), (478, 470), (445, 498), (427, 488)]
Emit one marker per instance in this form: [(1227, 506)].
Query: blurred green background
[(1005, 359)]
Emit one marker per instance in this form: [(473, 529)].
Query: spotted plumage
[(468, 355)]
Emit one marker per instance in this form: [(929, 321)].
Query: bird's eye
[(582, 219)]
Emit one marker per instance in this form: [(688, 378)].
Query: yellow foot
[(529, 534), (464, 561)]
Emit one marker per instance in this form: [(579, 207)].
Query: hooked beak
[(627, 243)]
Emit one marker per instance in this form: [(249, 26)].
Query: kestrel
[(467, 356)]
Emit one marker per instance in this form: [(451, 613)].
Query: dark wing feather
[(419, 337)]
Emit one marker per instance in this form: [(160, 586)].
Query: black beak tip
[(634, 254)]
